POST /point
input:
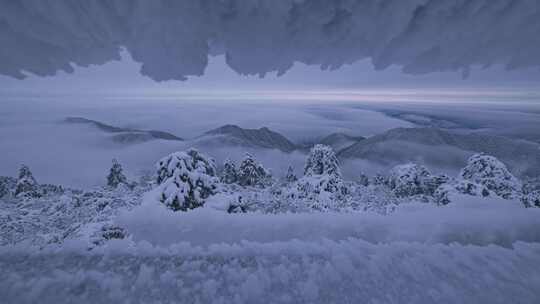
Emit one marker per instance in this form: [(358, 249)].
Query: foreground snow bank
[(474, 250), (473, 220), (350, 271)]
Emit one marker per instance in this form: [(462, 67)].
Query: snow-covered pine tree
[(229, 174), (531, 192), (252, 173), (443, 194), (290, 177), (433, 183), (26, 183), (186, 179), (116, 175), (7, 185), (363, 180), (322, 186), (493, 174), (409, 180), (322, 161)]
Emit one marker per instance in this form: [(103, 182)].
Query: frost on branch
[(186, 179), (493, 174), (26, 183), (116, 175), (252, 173)]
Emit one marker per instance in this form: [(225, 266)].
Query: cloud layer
[(173, 39)]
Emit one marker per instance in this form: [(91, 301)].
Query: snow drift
[(350, 271), (468, 221)]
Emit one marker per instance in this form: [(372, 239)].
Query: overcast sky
[(123, 76)]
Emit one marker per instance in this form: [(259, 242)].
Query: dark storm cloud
[(172, 39)]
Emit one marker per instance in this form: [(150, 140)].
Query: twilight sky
[(123, 76)]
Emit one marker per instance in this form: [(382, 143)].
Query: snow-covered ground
[(193, 234), (477, 250), (296, 271), (471, 221)]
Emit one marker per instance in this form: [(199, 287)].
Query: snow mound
[(469, 220)]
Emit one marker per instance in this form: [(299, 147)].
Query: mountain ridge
[(261, 138), (403, 144), (124, 135)]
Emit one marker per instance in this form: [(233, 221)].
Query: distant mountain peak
[(336, 140), (260, 138)]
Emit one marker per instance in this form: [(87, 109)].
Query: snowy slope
[(124, 246), (441, 148), (471, 221), (472, 251)]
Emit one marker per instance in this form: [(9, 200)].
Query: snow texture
[(173, 39), (350, 271)]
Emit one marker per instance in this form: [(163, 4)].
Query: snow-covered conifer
[(321, 187), (186, 179), (116, 175), (531, 199), (493, 174), (435, 181), (26, 183), (410, 179), (229, 174), (290, 177), (363, 180), (7, 185), (252, 173), (380, 180), (443, 194), (322, 161), (531, 192)]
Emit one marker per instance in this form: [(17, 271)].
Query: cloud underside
[(173, 39)]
